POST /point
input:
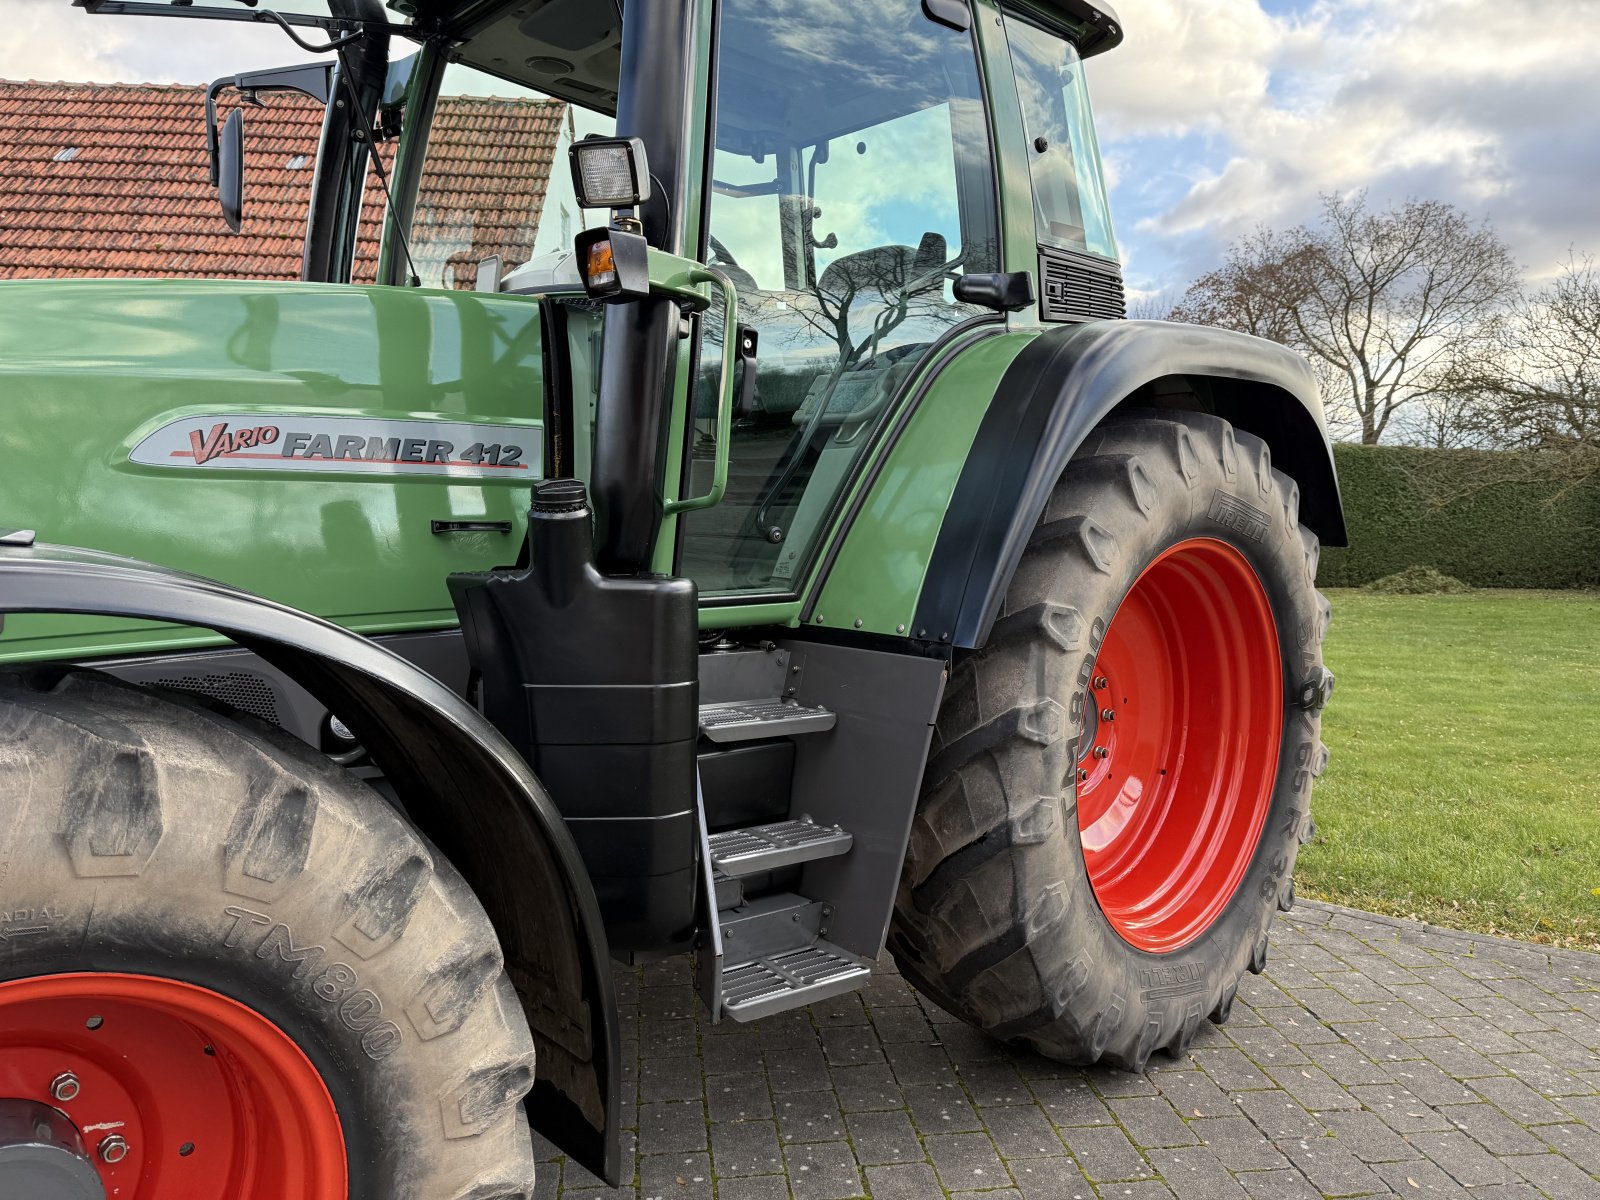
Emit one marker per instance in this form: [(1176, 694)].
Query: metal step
[(767, 847), (778, 982), (746, 720), (773, 955)]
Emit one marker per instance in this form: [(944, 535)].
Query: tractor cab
[(872, 184)]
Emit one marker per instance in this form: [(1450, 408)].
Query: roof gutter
[(1097, 25)]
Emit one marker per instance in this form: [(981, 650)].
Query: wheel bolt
[(1082, 774), (114, 1149), (1101, 752), (65, 1086), (1108, 714), (1099, 682)]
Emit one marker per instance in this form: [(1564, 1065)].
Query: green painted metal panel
[(738, 616), (93, 370), (878, 573)]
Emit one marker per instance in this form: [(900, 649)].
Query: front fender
[(1054, 393), (461, 783)]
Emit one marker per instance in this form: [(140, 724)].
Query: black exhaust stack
[(594, 679)]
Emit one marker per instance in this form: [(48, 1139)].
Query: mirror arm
[(211, 122), (309, 79)]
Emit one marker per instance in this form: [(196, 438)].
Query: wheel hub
[(157, 1088), (42, 1155), (1178, 758)]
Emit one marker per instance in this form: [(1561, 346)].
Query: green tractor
[(798, 557)]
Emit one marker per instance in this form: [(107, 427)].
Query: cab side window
[(1068, 184), (494, 179)]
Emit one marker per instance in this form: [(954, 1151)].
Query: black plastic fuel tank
[(594, 679)]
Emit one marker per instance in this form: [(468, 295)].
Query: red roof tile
[(483, 183), (134, 198)]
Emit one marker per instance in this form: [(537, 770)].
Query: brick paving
[(1375, 1057)]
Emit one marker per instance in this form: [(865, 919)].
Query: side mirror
[(490, 271), (1004, 291), (230, 169)]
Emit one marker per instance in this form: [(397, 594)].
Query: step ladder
[(771, 953), (760, 848), (746, 720)]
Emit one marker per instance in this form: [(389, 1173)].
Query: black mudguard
[(1055, 392), (460, 782)]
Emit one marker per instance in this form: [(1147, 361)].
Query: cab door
[(852, 182)]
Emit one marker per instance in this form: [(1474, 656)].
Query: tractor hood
[(339, 449)]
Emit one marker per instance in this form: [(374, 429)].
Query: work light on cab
[(612, 173)]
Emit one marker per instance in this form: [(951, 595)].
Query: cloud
[(1451, 100), (51, 40)]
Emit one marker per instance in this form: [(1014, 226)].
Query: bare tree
[(1394, 305), (861, 298), (1543, 386), (1155, 307), (1449, 419), (1254, 290)]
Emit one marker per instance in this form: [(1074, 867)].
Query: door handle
[(472, 527)]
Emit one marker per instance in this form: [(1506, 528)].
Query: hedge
[(1491, 520)]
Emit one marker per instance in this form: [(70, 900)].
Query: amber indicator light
[(602, 268)]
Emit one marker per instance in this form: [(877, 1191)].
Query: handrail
[(724, 417)]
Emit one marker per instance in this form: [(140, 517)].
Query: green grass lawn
[(1464, 784)]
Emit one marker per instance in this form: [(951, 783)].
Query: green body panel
[(88, 368), (878, 574)]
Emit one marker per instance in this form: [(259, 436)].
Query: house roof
[(483, 183), (111, 179)]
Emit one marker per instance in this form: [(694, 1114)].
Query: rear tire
[(1002, 917), (163, 857)]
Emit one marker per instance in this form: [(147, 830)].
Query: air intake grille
[(1079, 287), (248, 693)]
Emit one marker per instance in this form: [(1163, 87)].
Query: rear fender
[(1051, 397), (459, 781)]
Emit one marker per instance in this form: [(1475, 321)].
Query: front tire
[(256, 975), (1121, 777)]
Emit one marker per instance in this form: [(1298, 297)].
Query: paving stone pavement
[(1375, 1057)]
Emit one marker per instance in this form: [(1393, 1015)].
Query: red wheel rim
[(1183, 720), (210, 1099)]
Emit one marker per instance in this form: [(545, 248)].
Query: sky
[(1214, 115), (1219, 115)]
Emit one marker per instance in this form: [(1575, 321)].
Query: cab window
[(494, 179), (1068, 185)]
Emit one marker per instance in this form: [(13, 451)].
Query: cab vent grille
[(1079, 287)]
